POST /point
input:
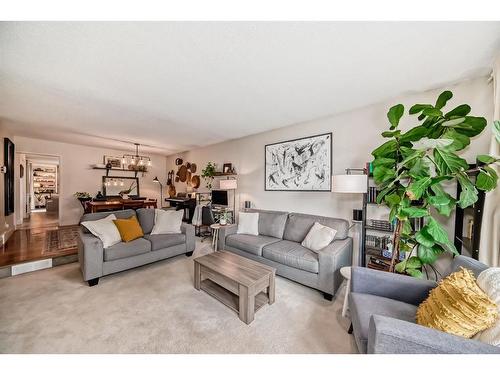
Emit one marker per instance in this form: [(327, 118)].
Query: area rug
[(61, 239), (156, 309)]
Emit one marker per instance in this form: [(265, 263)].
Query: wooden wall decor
[(186, 173)]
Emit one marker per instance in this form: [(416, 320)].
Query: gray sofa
[(279, 245), (383, 308), (96, 261)]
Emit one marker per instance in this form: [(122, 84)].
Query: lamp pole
[(161, 190)]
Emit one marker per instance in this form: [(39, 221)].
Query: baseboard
[(19, 269)]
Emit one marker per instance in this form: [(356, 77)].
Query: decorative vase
[(222, 221)]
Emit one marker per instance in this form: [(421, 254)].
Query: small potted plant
[(224, 217), (208, 174), (83, 197)]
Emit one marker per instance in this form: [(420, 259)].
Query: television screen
[(219, 197)]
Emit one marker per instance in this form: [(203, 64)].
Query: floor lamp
[(230, 184), (161, 191), (354, 184)]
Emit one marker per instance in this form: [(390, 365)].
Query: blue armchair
[(383, 308)]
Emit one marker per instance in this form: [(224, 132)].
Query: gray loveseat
[(383, 310), (279, 245), (96, 261)]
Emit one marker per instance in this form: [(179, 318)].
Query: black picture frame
[(227, 167), (104, 178), (8, 157), (330, 145)]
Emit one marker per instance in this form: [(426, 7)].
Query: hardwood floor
[(36, 240)]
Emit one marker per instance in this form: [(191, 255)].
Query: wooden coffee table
[(240, 283)]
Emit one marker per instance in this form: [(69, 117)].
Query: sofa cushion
[(162, 241), (250, 244), (146, 218), (292, 254), (127, 249), (271, 223), (363, 306), (121, 214), (298, 225)]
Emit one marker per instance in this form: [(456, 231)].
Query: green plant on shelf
[(410, 169), (208, 174)]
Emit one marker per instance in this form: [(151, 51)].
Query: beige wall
[(77, 175), (355, 134), (6, 223)]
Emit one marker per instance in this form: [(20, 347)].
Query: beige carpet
[(155, 309)]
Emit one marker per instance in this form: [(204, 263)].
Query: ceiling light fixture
[(136, 159)]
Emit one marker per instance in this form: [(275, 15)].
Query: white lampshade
[(350, 183), (228, 184)]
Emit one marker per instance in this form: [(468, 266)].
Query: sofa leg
[(349, 331), (189, 254), (328, 296), (93, 282)]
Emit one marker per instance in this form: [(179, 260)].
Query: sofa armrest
[(331, 259), (90, 255), (188, 230), (390, 285), (224, 231), (393, 336)]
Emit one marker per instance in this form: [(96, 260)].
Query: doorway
[(38, 191)]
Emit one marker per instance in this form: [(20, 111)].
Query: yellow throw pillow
[(129, 229), (458, 306)]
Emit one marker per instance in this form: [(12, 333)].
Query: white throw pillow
[(489, 282), (167, 221), (105, 230), (318, 237), (248, 223)]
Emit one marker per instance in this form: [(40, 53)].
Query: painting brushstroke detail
[(300, 165)]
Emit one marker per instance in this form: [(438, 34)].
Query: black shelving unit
[(468, 243)]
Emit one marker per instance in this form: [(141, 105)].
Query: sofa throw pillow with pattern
[(319, 237), (489, 282), (105, 230), (458, 306), (167, 221), (129, 229), (248, 223)]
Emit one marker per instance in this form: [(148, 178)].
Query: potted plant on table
[(410, 169)]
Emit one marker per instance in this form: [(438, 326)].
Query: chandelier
[(136, 160)]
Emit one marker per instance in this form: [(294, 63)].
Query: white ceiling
[(179, 85)]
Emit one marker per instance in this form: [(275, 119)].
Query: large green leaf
[(417, 108), (382, 174), (394, 115), (420, 168), (386, 149), (461, 110), (454, 122), (496, 130), (426, 254), (426, 143), (436, 231), (400, 267), (486, 159), (444, 204), (432, 112), (460, 141), (417, 188), (443, 99), (414, 212), (414, 134), (448, 162), (487, 179), (383, 161), (392, 199), (468, 195), (413, 262), (472, 126), (424, 238)]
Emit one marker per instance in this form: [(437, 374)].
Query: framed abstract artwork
[(303, 164)]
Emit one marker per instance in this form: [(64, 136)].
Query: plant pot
[(223, 222)]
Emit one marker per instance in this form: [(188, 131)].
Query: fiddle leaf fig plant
[(410, 169)]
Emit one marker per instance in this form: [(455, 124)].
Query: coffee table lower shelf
[(228, 298)]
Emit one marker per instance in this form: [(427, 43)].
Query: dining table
[(119, 204)]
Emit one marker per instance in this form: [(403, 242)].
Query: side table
[(346, 273), (215, 235)]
